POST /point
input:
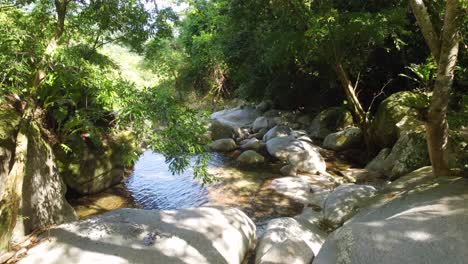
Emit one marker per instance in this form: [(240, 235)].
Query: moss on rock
[(90, 168), (396, 115)]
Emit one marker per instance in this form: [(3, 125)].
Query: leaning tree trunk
[(445, 54), (356, 107)]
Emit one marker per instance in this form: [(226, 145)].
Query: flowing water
[(153, 186)]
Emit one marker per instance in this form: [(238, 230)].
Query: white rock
[(277, 131), (345, 200), (424, 220), (200, 235), (236, 117), (288, 240)]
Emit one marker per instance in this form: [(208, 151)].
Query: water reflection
[(153, 186)]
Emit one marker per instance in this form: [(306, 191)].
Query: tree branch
[(427, 28)]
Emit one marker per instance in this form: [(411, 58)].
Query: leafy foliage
[(83, 93)]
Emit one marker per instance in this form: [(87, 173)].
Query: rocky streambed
[(285, 195)]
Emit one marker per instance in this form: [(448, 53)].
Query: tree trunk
[(437, 126), (356, 108), (427, 28)]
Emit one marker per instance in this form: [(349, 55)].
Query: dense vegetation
[(300, 54), (52, 61), (287, 51)]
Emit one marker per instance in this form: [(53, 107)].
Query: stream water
[(153, 186)]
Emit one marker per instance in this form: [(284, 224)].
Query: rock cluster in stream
[(413, 219)]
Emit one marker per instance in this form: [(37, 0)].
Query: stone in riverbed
[(277, 131), (252, 144), (237, 117), (288, 240), (330, 120), (345, 200), (262, 123), (219, 130), (303, 156), (197, 235), (396, 115), (250, 157), (419, 219), (346, 139), (223, 145)]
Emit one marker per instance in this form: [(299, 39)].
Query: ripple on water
[(153, 186)]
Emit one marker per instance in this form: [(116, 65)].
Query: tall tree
[(444, 48)]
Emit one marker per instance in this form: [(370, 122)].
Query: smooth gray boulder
[(418, 219), (198, 235), (287, 240), (250, 157), (345, 139), (303, 156), (262, 123), (296, 188), (303, 189), (345, 200), (308, 161), (277, 131), (223, 145), (236, 117), (330, 120), (252, 144)]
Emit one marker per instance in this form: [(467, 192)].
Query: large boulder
[(90, 168), (198, 235), (263, 123), (345, 139), (32, 183), (302, 190), (220, 130), (329, 121), (409, 153), (250, 157), (288, 240), (277, 131), (303, 156), (223, 145), (309, 160), (295, 188), (419, 219), (252, 144), (345, 201), (236, 117), (395, 116)]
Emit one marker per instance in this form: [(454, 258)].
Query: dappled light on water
[(153, 186)]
